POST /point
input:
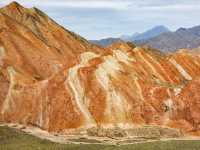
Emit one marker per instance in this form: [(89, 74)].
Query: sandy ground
[(85, 139)]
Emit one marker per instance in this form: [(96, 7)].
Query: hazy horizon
[(97, 19)]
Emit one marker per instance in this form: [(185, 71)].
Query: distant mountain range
[(147, 34), (160, 37), (136, 37), (171, 41)]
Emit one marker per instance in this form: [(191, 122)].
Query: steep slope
[(124, 87), (68, 44), (33, 48), (171, 41)]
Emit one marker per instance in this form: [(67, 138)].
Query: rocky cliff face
[(56, 80)]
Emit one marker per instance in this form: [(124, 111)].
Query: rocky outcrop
[(56, 80)]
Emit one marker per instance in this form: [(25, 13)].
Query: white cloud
[(176, 7), (111, 4), (103, 18)]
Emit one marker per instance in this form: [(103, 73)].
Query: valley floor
[(12, 139)]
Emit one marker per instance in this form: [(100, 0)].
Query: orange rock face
[(56, 80)]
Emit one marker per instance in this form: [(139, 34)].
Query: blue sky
[(95, 19)]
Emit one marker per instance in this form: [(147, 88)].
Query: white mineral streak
[(40, 119), (108, 68), (163, 70), (177, 91), (151, 66), (169, 104), (181, 69), (136, 49), (78, 90), (2, 55), (115, 102), (123, 57), (9, 102), (44, 99), (139, 89)]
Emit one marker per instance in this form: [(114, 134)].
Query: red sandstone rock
[(56, 80)]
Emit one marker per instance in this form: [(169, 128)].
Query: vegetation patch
[(12, 139)]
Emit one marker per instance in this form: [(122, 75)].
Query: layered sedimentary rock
[(56, 80)]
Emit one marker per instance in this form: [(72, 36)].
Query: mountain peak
[(13, 9), (153, 32), (14, 5), (181, 29), (161, 26)]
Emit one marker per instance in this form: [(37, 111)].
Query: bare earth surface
[(53, 79)]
